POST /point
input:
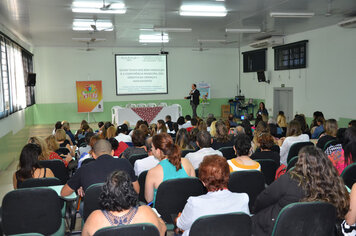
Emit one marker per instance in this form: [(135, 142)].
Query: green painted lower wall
[(50, 113), (11, 146)]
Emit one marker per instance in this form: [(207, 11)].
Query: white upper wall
[(58, 68), (327, 84)]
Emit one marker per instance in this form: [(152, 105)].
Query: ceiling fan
[(106, 7), (95, 28), (89, 40), (200, 49), (226, 42), (88, 48)]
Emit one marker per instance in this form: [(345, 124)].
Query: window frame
[(290, 56)]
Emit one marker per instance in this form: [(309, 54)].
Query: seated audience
[(110, 132), (222, 137), (266, 143), (119, 206), (97, 171), (243, 150), (114, 146), (85, 146), (340, 134), (66, 128), (153, 129), (169, 123), (63, 143), (202, 126), (138, 123), (58, 125), (319, 129), (204, 143), (352, 123), (138, 141), (52, 146), (210, 120), (161, 127), (183, 139), (316, 114), (100, 127), (313, 179), (282, 120), (330, 133), (180, 122), (80, 135), (247, 128), (122, 134), (239, 130), (349, 225), (148, 162), (188, 122), (145, 130), (193, 138), (214, 174), (303, 124), (171, 165), (231, 121), (29, 166), (294, 135), (262, 127), (274, 129), (213, 129), (86, 155), (347, 154), (194, 123)]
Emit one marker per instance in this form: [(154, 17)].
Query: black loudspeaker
[(31, 79), (261, 76)]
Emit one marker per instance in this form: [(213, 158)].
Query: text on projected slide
[(141, 74)]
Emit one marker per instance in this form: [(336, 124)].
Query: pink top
[(338, 160)]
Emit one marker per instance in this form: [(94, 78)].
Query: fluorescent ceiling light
[(154, 38), (85, 25), (203, 10), (211, 40), (159, 29), (255, 30), (292, 14), (95, 7)]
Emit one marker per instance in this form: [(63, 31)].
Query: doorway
[(283, 101)]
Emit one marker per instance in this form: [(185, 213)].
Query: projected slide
[(141, 74)]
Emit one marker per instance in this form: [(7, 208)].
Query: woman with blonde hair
[(213, 129), (52, 147), (63, 142), (171, 165), (161, 127), (110, 132), (330, 133), (44, 149)]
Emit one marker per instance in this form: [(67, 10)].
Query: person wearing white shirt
[(122, 136), (204, 143), (294, 135), (214, 174), (148, 162), (187, 123)]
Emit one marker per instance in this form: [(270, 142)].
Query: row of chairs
[(37, 211), (162, 104)]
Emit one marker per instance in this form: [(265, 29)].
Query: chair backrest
[(349, 175), (330, 143), (141, 105), (172, 195), (129, 230), (185, 152), (231, 224), (31, 210), (292, 162), (251, 182), (58, 168), (228, 152), (62, 151), (91, 199), (142, 183), (162, 104), (294, 149), (40, 182), (306, 218), (268, 168), (136, 157)]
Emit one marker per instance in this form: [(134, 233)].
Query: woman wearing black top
[(262, 109), (266, 142)]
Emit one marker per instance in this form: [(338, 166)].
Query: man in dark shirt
[(98, 170)]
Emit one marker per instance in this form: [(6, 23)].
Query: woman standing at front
[(171, 165)]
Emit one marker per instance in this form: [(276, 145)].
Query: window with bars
[(14, 68), (290, 56)]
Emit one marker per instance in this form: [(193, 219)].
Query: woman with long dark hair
[(313, 179), (29, 166), (119, 206), (171, 165)]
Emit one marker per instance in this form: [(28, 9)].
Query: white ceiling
[(49, 22)]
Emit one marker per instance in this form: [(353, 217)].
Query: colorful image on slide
[(89, 96)]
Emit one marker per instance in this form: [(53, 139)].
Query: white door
[(283, 101)]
